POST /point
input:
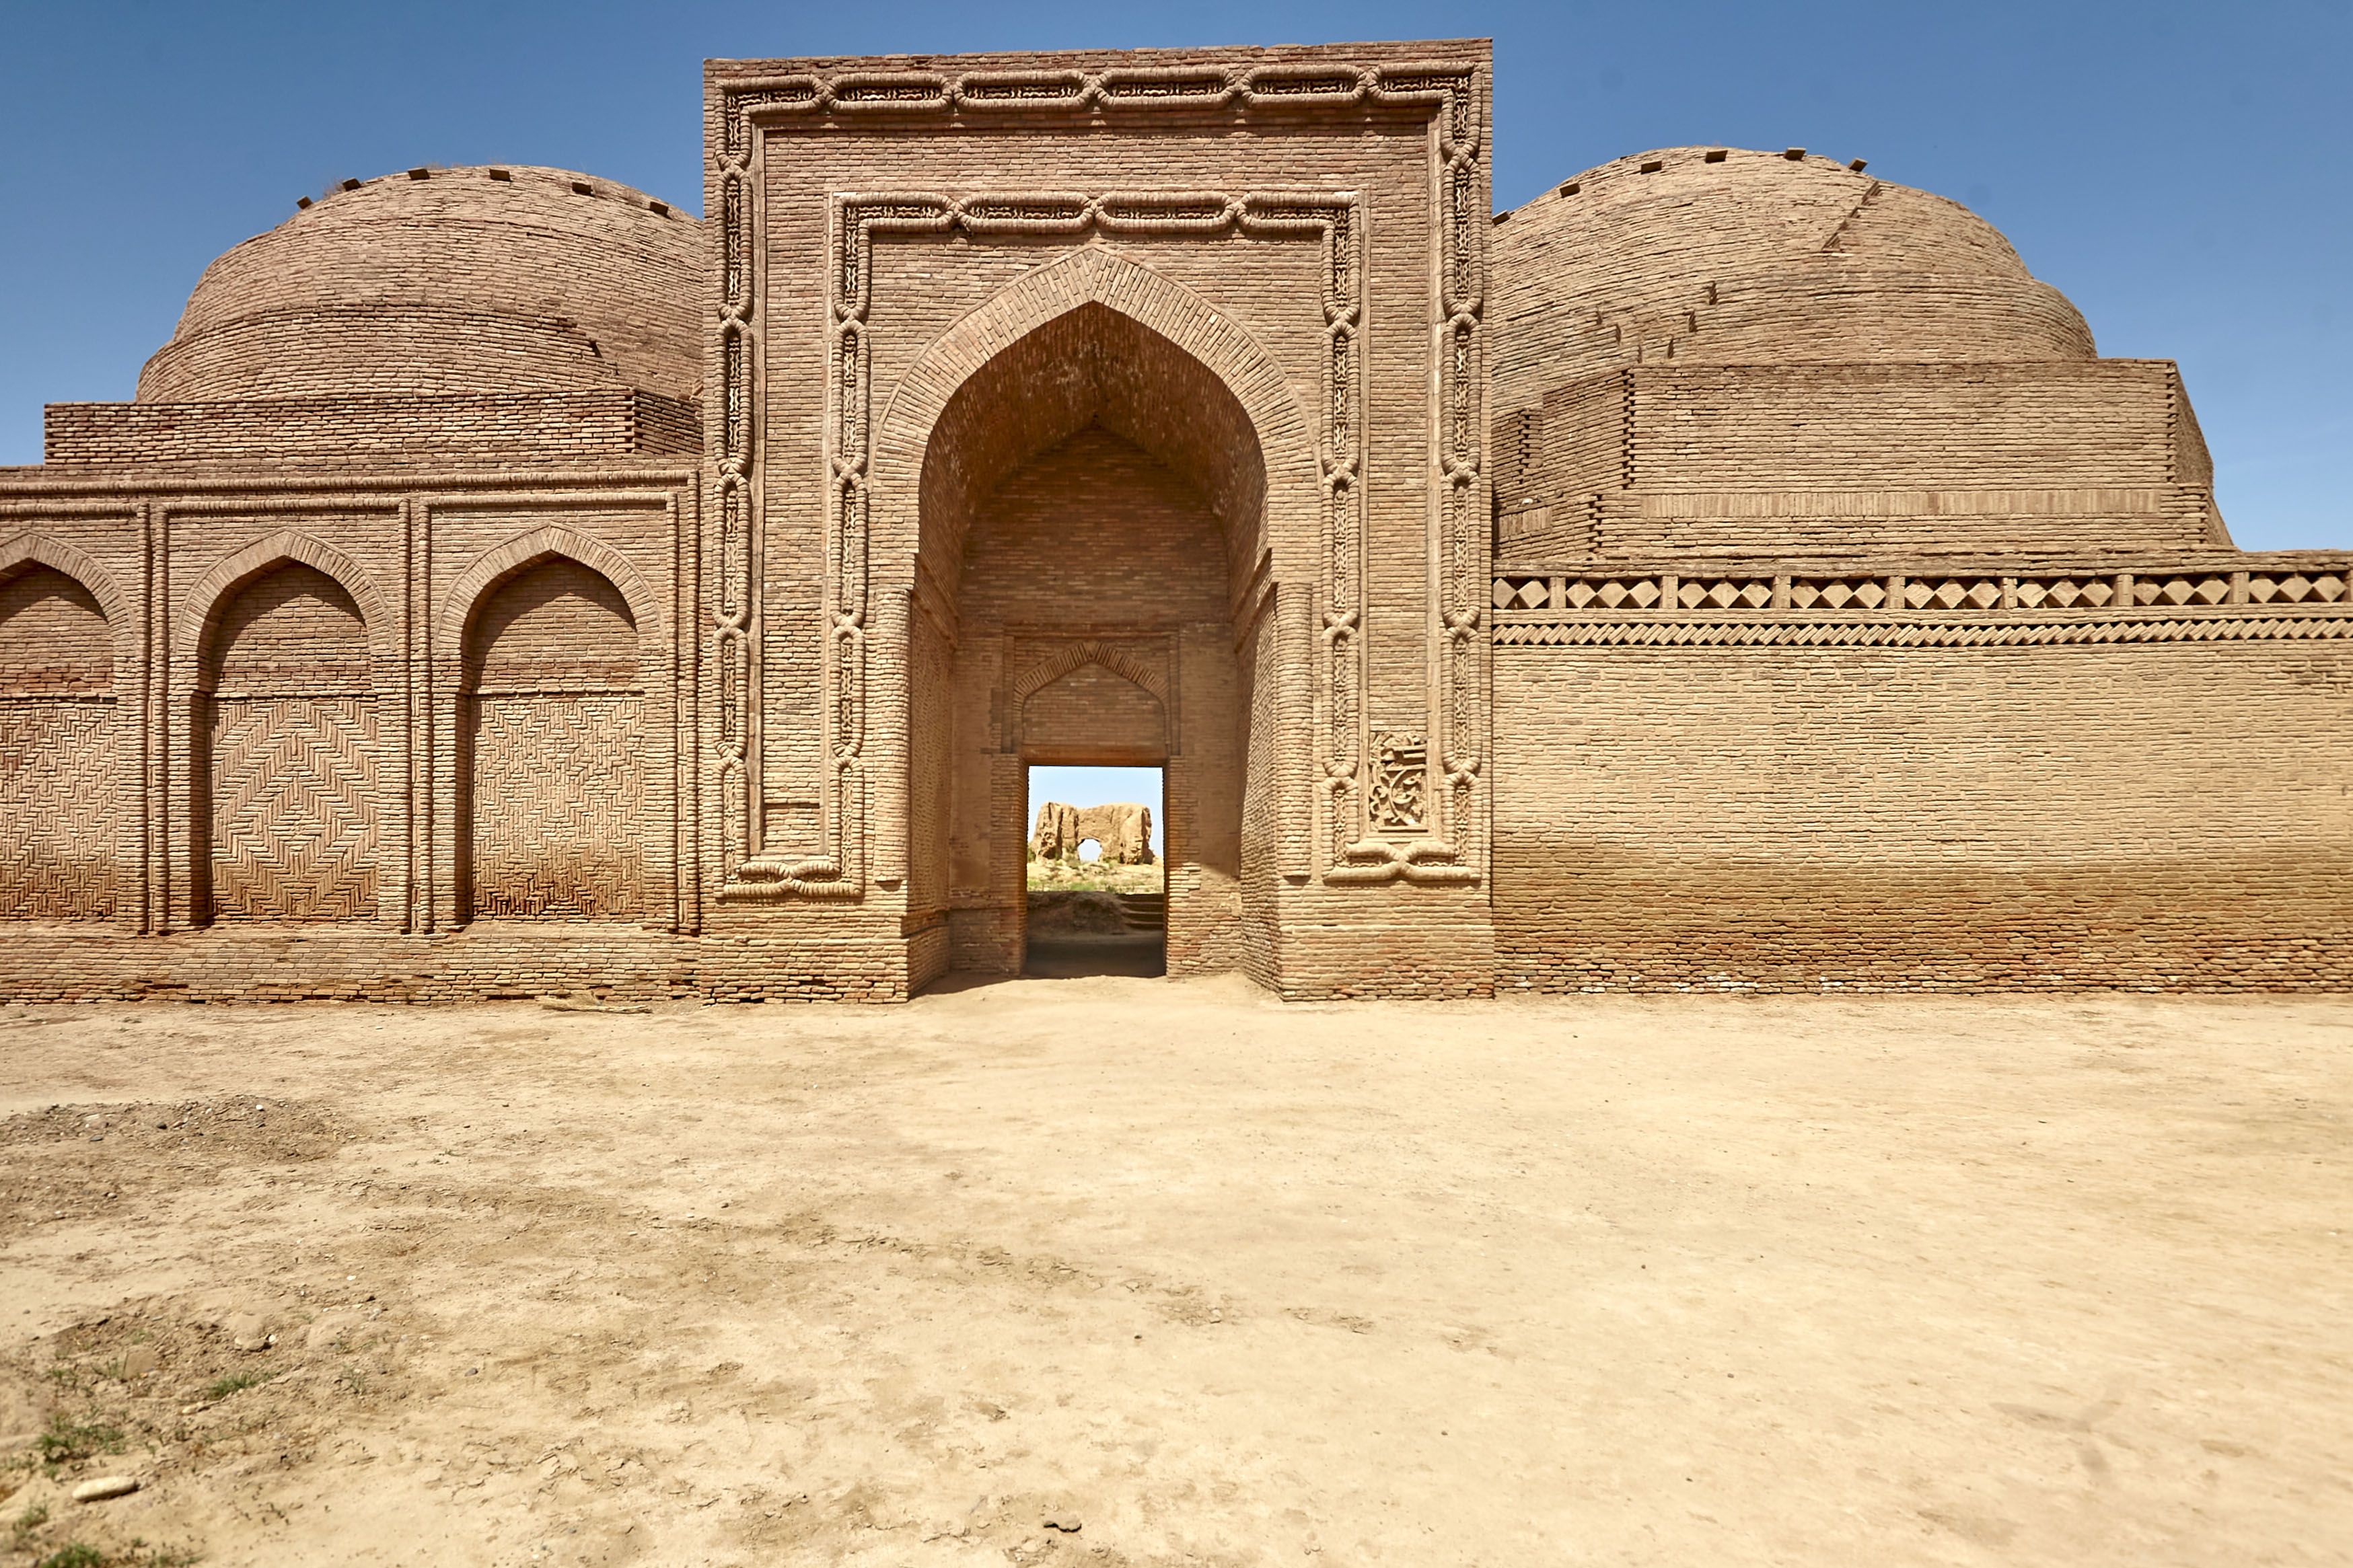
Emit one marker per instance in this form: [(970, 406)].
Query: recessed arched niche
[(59, 744), (285, 754), (551, 732)]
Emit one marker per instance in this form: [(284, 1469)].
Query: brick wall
[(1821, 460), (1797, 818), (287, 740), (379, 431), (930, 786)]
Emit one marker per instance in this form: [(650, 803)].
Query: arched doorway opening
[(1091, 499), (1097, 901)]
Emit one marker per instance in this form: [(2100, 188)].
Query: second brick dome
[(448, 281), (1723, 255)]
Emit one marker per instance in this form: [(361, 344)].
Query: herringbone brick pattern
[(559, 807), (56, 817), (57, 751), (293, 793)]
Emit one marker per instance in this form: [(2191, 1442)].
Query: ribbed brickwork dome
[(1692, 254), (457, 281)]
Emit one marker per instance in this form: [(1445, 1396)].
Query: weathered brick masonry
[(505, 583)]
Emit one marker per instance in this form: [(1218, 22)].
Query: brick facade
[(505, 583)]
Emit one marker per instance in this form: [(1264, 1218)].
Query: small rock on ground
[(97, 1488)]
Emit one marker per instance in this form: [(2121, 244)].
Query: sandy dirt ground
[(1121, 1271)]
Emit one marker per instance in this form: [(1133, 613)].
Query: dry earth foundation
[(1127, 1272)]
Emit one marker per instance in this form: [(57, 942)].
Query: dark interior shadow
[(1075, 956)]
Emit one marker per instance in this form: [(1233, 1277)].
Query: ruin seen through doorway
[(1095, 890)]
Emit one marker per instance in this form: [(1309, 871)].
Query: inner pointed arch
[(1092, 365)]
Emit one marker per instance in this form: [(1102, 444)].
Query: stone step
[(1144, 911)]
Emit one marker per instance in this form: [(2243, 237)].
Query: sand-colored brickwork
[(447, 281), (287, 742), (1728, 569), (56, 749)]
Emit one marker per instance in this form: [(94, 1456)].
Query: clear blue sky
[(2184, 173)]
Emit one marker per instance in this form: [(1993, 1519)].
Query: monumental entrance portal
[(1091, 498), (1727, 570), (1099, 488)]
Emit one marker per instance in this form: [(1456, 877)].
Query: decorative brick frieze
[(1929, 604)]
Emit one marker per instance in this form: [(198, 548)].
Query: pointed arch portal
[(1092, 508)]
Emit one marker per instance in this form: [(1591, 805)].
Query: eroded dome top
[(1725, 255), (447, 280)]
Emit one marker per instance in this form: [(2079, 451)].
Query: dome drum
[(1755, 352)]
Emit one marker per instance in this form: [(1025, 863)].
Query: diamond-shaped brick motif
[(2262, 590), (2296, 589), (1984, 595), (2031, 595), (1803, 596), (2331, 589), (1691, 595), (2097, 592), (1581, 594), (1871, 596), (1919, 596), (1722, 595), (1835, 596), (1756, 595), (1613, 595), (1644, 593), (1534, 593), (1951, 595), (2178, 590), (2213, 590), (1504, 592)]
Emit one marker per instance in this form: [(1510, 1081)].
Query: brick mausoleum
[(1726, 570)]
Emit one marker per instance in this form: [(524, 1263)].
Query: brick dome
[(448, 281), (1693, 254)]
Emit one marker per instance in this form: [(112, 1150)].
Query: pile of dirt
[(1074, 912)]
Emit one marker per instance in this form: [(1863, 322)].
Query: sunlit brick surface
[(1728, 570)]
